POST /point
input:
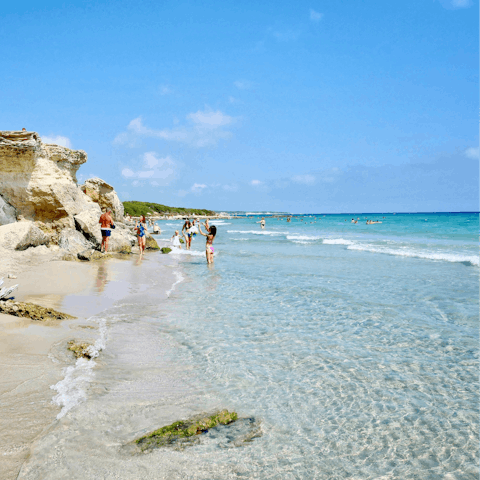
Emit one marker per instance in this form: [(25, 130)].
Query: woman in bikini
[(140, 228), (212, 231)]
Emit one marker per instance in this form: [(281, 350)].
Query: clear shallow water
[(355, 346)]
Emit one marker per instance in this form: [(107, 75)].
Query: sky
[(302, 107)]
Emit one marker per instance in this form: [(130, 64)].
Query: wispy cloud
[(198, 188), (315, 16), (461, 3), (456, 4), (473, 152), (284, 35), (243, 84), (256, 183), (202, 129), (165, 89), (57, 140), (158, 171), (304, 179)]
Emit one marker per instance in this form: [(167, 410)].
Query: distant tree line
[(135, 209)]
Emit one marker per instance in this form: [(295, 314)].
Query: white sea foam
[(180, 278), (183, 251), (405, 252), (72, 390), (337, 241), (259, 232), (302, 238)]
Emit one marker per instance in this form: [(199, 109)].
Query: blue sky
[(305, 106)]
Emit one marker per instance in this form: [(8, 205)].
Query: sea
[(348, 350)]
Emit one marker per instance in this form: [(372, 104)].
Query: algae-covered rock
[(151, 243), (166, 250), (89, 255), (182, 240), (30, 310), (80, 350), (184, 430)]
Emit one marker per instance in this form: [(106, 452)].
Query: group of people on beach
[(190, 230)]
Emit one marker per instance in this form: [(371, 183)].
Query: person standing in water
[(188, 236), (211, 232), (262, 222)]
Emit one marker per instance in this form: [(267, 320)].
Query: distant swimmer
[(262, 222), (211, 232)]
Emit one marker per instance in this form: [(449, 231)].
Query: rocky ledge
[(32, 311)]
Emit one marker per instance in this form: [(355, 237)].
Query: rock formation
[(39, 180), (106, 197)]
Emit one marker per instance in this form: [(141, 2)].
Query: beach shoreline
[(34, 354)]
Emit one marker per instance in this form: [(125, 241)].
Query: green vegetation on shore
[(136, 209)]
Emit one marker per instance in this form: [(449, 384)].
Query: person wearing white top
[(176, 240)]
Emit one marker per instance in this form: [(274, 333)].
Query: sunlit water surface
[(353, 346)]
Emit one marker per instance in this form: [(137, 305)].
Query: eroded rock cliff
[(39, 180)]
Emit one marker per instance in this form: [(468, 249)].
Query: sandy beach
[(33, 354)]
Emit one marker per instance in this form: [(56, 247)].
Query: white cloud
[(243, 84), (210, 119), (473, 152), (284, 35), (165, 89), (128, 173), (455, 4), (304, 179), (315, 16), (204, 128), (58, 140), (198, 187), (461, 3), (256, 183), (160, 170), (230, 188)]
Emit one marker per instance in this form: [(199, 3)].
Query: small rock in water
[(84, 350), (166, 250), (184, 431)]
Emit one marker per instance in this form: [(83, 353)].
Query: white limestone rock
[(106, 197), (8, 213), (39, 180), (21, 235), (73, 241)]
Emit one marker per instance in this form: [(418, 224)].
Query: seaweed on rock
[(184, 431)]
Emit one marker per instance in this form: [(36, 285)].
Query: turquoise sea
[(349, 350)]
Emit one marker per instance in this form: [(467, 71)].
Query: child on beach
[(212, 231), (176, 240)]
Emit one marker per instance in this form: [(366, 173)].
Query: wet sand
[(33, 354)]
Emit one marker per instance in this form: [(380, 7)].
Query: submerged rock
[(184, 431), (166, 250), (30, 310), (81, 350)]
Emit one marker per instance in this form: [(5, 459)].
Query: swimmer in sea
[(212, 231)]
